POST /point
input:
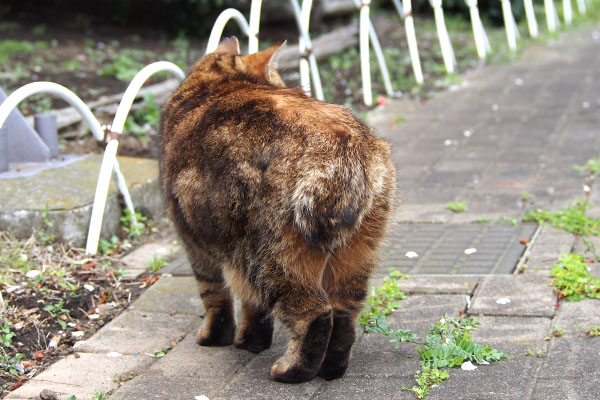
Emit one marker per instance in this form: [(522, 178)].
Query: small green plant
[(484, 220), (507, 220), (56, 311), (557, 331), (456, 206), (125, 65), (12, 365), (43, 234), (572, 219), (592, 167), (427, 378), (10, 47), (133, 229), (571, 278), (527, 196), (99, 395), (162, 352), (110, 246), (593, 330), (384, 299), (157, 263), (537, 353), (143, 119), (6, 335)]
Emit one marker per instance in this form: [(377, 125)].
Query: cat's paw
[(254, 344), (330, 371), (216, 335), (281, 371), (256, 337)]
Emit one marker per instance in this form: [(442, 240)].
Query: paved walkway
[(509, 130)]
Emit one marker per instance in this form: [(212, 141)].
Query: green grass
[(157, 263), (572, 280), (573, 219), (456, 206)]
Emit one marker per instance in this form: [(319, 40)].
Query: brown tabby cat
[(282, 199)]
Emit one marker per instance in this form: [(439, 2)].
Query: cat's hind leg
[(346, 281), (219, 320), (256, 332), (302, 306)]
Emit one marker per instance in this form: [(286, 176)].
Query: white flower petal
[(33, 273), (113, 354), (468, 366), (89, 287), (470, 250), (411, 254), (503, 300)]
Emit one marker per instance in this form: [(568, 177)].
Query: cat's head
[(227, 60)]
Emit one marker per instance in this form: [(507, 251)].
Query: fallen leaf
[(54, 341), (16, 385), (39, 356), (27, 364), (524, 241)]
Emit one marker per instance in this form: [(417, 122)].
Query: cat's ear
[(231, 45), (259, 63)]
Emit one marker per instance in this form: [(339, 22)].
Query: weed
[(58, 312), (537, 353), (161, 352), (456, 206), (591, 167), (109, 246), (507, 220), (157, 263), (43, 234), (527, 196), (557, 331), (99, 395), (484, 220), (133, 229), (593, 330), (383, 300), (12, 365), (10, 47), (125, 65), (6, 335), (572, 219), (427, 378), (39, 29), (572, 278), (143, 120)]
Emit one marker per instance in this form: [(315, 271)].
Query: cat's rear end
[(279, 197)]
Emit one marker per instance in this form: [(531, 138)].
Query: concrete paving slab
[(171, 295), (188, 358), (366, 388), (83, 374), (418, 311), (137, 262), (254, 382), (438, 285), (528, 296), (139, 332), (166, 387), (566, 388)]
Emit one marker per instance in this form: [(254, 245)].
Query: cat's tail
[(331, 200)]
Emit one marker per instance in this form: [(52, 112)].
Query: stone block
[(171, 295), (528, 295)]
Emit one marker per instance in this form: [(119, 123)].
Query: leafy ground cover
[(446, 344), (53, 295)]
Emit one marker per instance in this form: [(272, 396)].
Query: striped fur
[(279, 198)]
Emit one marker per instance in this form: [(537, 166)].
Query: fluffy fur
[(282, 199)]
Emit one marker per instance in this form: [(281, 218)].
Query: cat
[(277, 197)]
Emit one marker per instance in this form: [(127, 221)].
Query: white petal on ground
[(467, 133), (33, 273), (113, 354), (503, 300), (89, 287), (411, 254), (585, 104), (77, 334), (518, 81), (203, 397), (468, 366), (470, 250), (93, 316)]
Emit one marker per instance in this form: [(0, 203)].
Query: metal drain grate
[(440, 248)]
